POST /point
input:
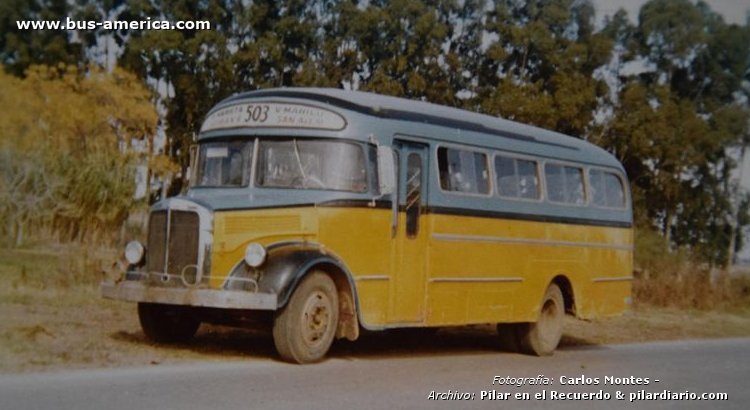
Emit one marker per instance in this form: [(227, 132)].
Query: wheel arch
[(289, 263), (566, 287)]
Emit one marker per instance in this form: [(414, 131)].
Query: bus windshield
[(224, 163), (311, 164)]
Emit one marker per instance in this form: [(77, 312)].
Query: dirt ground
[(50, 325), (90, 332)]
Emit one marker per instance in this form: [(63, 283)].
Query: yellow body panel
[(361, 238), (234, 230), (458, 270), (499, 269)]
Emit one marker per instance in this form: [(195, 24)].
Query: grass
[(671, 279), (694, 289), (53, 318)]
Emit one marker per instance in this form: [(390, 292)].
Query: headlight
[(134, 252), (255, 254)]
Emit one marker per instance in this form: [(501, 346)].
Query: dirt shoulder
[(53, 325)]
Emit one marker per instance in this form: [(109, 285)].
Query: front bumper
[(136, 292)]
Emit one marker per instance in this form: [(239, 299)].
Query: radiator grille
[(182, 249)]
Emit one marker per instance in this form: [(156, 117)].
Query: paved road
[(385, 381)]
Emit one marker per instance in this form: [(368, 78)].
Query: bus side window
[(463, 171), (615, 191), (413, 193), (565, 184), (574, 191), (528, 179), (516, 178), (596, 184), (554, 177), (507, 182), (607, 189)]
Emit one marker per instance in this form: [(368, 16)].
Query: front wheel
[(167, 323), (542, 337), (304, 330)]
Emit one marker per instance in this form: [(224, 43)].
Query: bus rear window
[(463, 171), (606, 189)]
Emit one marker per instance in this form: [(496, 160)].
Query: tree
[(674, 121), (20, 49), (540, 69), (190, 70), (66, 142)]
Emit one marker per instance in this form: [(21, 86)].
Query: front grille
[(182, 249), (157, 238)]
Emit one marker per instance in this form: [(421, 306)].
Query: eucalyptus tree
[(539, 67), (21, 48), (676, 115), (189, 69)]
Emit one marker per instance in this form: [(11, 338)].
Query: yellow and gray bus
[(321, 212)]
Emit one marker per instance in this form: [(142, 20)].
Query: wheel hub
[(316, 318)]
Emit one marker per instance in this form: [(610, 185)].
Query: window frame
[(623, 185), (228, 139), (364, 148), (584, 182), (413, 223), (487, 156), (541, 184)]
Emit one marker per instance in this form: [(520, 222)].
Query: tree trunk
[(666, 231), (19, 233)]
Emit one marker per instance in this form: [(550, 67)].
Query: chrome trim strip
[(205, 228), (474, 280), (372, 277), (527, 241), (256, 143), (166, 239), (613, 279), (137, 292)]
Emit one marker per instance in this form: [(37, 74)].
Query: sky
[(733, 11)]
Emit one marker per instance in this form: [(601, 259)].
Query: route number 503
[(256, 113)]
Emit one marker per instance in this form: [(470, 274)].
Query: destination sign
[(271, 114)]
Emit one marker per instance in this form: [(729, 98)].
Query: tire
[(167, 323), (541, 338), (304, 330)]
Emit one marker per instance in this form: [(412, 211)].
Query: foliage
[(678, 278), (65, 142), (674, 122), (20, 49), (668, 95), (540, 68)]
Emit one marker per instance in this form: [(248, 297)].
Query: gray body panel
[(376, 118)]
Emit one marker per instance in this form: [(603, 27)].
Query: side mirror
[(386, 170)]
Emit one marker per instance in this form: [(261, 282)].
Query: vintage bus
[(321, 212)]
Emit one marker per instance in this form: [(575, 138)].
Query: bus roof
[(401, 109)]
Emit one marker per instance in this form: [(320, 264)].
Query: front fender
[(287, 264)]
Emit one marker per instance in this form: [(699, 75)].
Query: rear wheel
[(304, 330), (167, 323), (542, 337)]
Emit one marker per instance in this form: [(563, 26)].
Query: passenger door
[(407, 304)]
